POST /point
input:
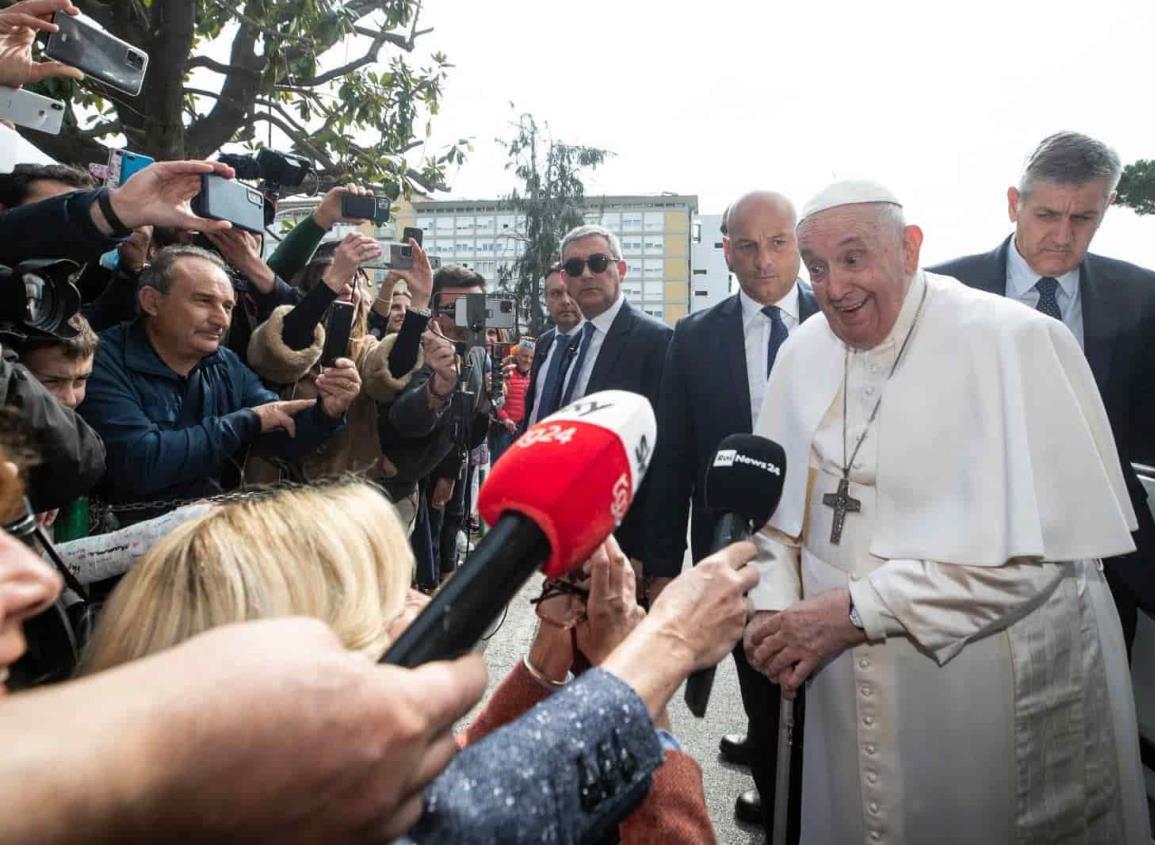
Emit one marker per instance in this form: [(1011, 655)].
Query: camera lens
[(134, 60), (40, 300)]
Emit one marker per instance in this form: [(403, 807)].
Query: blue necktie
[(587, 333), (563, 349), (778, 335), (1048, 303)]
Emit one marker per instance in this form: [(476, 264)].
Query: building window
[(652, 268), (631, 221), (632, 244), (466, 224), (655, 244), (612, 220), (701, 272), (655, 221), (424, 223), (505, 222), (701, 293), (464, 248), (485, 224), (443, 224)]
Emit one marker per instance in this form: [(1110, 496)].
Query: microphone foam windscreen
[(575, 473), (746, 477)]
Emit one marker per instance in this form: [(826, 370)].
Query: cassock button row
[(871, 748), (866, 691), (872, 777), (869, 391), (874, 368), (875, 835), (863, 663), (868, 721), (874, 807)]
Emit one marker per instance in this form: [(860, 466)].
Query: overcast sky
[(941, 101)]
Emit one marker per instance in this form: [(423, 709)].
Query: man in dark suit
[(617, 347), (715, 377), (567, 318), (1108, 305)]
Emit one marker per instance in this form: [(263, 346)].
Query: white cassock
[(992, 703)]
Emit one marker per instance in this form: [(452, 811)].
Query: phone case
[(83, 43), (35, 111), (224, 199), (337, 329)]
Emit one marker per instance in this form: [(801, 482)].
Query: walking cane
[(782, 775)]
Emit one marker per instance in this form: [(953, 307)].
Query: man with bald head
[(712, 386), (932, 572)]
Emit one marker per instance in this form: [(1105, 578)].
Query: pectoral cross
[(843, 503)]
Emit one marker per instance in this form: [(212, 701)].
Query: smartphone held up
[(83, 43)]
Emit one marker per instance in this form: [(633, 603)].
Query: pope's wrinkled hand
[(790, 645)]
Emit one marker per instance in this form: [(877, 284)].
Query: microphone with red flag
[(552, 499)]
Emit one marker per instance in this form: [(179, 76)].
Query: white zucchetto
[(848, 192)]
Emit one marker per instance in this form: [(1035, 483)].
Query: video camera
[(277, 173), (39, 297)]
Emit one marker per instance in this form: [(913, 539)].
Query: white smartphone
[(34, 111)]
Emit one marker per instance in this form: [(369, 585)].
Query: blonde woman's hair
[(336, 553)]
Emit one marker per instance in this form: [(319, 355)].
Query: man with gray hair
[(618, 347), (931, 572), (174, 407), (1109, 306)]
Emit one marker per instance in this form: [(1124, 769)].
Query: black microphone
[(744, 481)]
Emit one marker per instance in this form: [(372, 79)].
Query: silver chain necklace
[(841, 501)]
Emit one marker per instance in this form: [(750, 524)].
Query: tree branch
[(100, 129), (380, 39), (221, 67), (299, 135)]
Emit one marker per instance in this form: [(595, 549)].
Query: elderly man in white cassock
[(933, 568)]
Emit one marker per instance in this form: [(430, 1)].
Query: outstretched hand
[(160, 195), (19, 25)]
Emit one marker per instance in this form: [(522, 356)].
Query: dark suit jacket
[(632, 358), (705, 396), (1118, 301), (540, 351)]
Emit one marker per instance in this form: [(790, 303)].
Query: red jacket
[(516, 386)]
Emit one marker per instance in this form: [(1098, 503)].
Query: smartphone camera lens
[(134, 60)]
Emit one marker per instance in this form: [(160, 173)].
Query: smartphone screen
[(337, 329)]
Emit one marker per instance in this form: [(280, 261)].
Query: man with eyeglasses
[(715, 378), (618, 347)]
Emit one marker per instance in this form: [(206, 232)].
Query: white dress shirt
[(756, 328), (559, 340), (602, 324), (1021, 280)]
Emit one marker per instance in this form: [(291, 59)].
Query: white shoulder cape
[(993, 441)]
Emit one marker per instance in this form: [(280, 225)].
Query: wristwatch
[(855, 616)]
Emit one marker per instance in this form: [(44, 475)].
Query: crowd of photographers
[(201, 446)]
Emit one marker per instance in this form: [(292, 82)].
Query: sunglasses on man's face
[(598, 262)]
